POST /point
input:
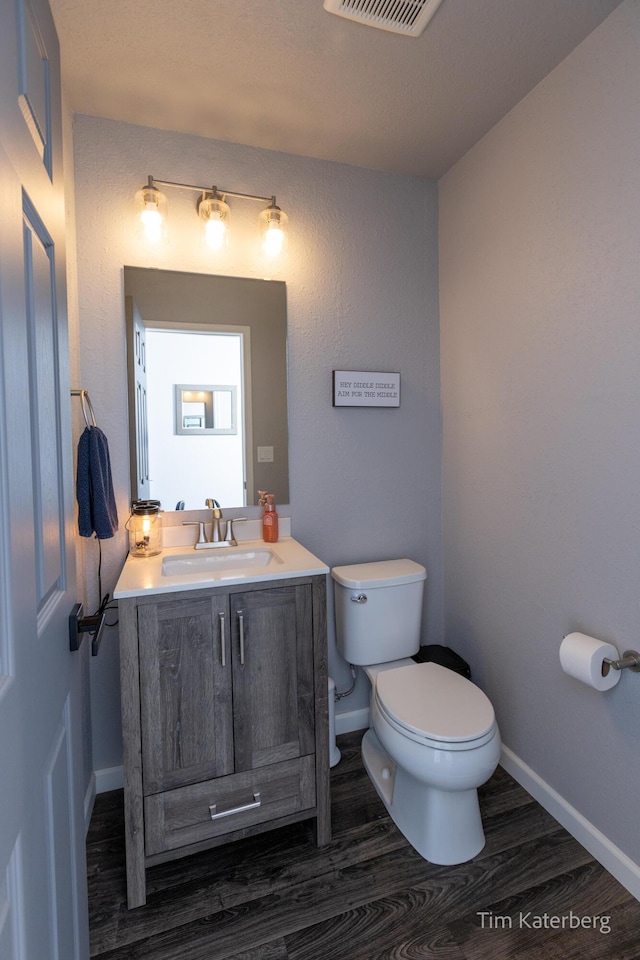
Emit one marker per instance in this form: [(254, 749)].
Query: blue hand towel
[(94, 487)]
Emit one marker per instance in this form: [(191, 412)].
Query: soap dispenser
[(269, 517)]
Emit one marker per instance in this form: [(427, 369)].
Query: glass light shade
[(215, 212), (273, 237), (152, 210)]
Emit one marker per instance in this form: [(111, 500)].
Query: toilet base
[(444, 826)]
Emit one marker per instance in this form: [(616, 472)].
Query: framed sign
[(363, 388)]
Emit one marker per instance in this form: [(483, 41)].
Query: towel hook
[(87, 408)]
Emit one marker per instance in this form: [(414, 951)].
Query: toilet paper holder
[(630, 660)]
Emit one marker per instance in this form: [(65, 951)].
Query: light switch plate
[(265, 454)]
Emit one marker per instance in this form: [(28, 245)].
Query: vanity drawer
[(177, 818)]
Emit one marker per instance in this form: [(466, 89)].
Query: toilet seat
[(433, 705)]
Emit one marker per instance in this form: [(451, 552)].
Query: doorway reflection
[(212, 455)]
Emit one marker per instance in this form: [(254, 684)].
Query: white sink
[(220, 558), (183, 568)]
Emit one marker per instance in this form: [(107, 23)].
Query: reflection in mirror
[(224, 340), (205, 410)]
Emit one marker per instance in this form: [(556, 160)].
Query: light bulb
[(215, 212), (214, 232), (273, 240), (273, 220), (152, 209), (152, 222)]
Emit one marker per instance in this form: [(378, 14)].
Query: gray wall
[(540, 329), (362, 293)]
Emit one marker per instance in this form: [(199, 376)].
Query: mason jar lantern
[(145, 528)]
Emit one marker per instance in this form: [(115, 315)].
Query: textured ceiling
[(287, 75)]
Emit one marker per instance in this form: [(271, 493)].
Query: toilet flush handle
[(361, 598)]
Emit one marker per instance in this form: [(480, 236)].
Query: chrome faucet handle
[(200, 525), (229, 537)]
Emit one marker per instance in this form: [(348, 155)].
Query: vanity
[(223, 658)]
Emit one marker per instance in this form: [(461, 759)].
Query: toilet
[(433, 737)]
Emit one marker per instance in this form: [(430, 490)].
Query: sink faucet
[(217, 537), (216, 517)]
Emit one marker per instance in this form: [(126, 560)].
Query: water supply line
[(346, 693)]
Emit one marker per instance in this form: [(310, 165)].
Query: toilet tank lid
[(380, 573)]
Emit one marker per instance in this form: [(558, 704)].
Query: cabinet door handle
[(241, 629), (223, 659), (228, 813)]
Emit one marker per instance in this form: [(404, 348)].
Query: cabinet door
[(185, 679), (273, 694)]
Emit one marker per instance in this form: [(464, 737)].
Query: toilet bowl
[(427, 751), (433, 737)]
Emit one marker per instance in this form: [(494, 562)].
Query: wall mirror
[(224, 338)]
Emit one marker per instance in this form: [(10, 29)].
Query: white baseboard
[(89, 799), (352, 720), (619, 865), (111, 778), (625, 870)]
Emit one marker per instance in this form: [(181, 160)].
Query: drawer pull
[(228, 813)]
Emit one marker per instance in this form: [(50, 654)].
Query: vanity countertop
[(149, 575)]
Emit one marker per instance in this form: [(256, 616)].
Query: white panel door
[(43, 912)]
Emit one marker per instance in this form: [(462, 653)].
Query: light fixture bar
[(214, 189)]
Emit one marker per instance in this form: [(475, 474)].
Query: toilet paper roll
[(582, 656)]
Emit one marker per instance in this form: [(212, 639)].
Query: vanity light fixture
[(213, 210)]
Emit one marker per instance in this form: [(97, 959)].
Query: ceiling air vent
[(399, 16)]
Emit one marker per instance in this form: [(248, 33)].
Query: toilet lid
[(432, 701)]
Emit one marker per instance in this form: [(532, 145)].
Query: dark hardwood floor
[(368, 895)]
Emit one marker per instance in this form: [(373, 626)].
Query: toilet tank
[(378, 610)]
